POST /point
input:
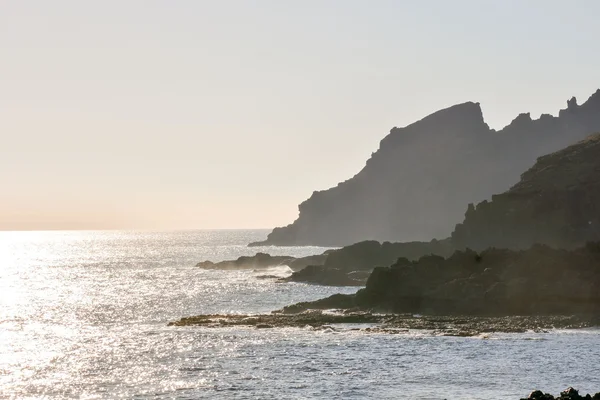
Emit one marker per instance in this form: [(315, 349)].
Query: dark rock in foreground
[(568, 394), (537, 281), (391, 323)]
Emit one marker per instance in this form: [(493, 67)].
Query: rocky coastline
[(554, 203), (417, 184), (567, 394), (537, 281), (527, 260), (370, 322), (347, 266)]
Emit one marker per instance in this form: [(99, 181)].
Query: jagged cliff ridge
[(556, 202), (415, 186)]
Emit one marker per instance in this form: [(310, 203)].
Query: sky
[(227, 114)]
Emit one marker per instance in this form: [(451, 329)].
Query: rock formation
[(348, 266), (537, 281), (321, 275), (390, 323), (567, 394), (556, 202), (415, 186), (351, 265), (263, 260)]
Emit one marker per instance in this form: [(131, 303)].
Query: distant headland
[(417, 184)]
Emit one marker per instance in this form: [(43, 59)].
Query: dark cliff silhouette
[(556, 203), (416, 185), (541, 253)]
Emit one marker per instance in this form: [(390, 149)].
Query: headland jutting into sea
[(526, 259)]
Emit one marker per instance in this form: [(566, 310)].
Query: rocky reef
[(556, 202), (348, 266), (416, 185), (368, 322), (263, 260), (568, 394), (537, 281)]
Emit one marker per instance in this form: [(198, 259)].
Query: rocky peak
[(465, 118), (417, 184)]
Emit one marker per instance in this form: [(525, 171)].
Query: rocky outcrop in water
[(263, 260), (416, 185), (537, 281), (568, 394), (348, 266), (351, 265), (556, 202)]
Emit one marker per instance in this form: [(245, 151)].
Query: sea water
[(84, 315)]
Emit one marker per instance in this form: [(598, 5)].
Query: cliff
[(556, 202), (415, 186)]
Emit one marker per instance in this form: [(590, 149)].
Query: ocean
[(84, 315)]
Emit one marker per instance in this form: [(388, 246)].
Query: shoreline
[(459, 325)]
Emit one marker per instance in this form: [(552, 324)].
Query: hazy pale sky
[(227, 114)]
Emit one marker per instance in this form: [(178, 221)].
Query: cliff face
[(556, 202), (415, 186)]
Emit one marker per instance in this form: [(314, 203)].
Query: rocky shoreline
[(537, 260), (568, 394), (347, 266), (554, 204), (538, 281), (392, 323)]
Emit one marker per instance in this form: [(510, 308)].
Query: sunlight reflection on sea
[(84, 314)]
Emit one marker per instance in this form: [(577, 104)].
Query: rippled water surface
[(84, 315)]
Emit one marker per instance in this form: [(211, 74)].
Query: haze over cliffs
[(417, 184)]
